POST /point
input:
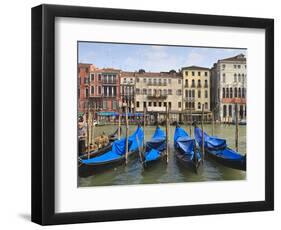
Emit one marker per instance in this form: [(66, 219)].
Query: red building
[(99, 87)]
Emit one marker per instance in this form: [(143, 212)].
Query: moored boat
[(155, 148), (217, 149), (186, 152), (113, 157)]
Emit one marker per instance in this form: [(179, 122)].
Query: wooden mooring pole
[(236, 127), (119, 124), (190, 124), (213, 123), (127, 136), (88, 131), (167, 134), (202, 128)]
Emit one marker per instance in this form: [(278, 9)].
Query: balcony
[(157, 97), (109, 82), (191, 99)]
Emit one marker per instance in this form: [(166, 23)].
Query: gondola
[(113, 157), (217, 149), (94, 153), (186, 152), (154, 148)]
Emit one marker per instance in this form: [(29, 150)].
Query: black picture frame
[(43, 113)]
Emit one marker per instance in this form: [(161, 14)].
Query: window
[(235, 77), (160, 92), (235, 92), (223, 77), (169, 91), (137, 79), (199, 105), (131, 80), (165, 81), (231, 93), (170, 104), (227, 92), (179, 92), (92, 89), (192, 73), (144, 80), (179, 104), (241, 111), (239, 66), (223, 66), (234, 66), (92, 76), (186, 83), (224, 111), (86, 92), (149, 104), (138, 104), (230, 110), (165, 92), (239, 77), (186, 73), (189, 93), (243, 92), (154, 81), (193, 83), (165, 104), (160, 103), (179, 81), (124, 80), (193, 93), (199, 84), (99, 90), (187, 105), (149, 81), (206, 105), (170, 81), (206, 74), (99, 77), (159, 81), (144, 91), (85, 80), (154, 92), (223, 92), (239, 92), (199, 93), (137, 91), (114, 104), (154, 104), (206, 93), (206, 84), (144, 104), (199, 73), (186, 93)]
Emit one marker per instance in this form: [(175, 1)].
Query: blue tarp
[(107, 113), (137, 139), (184, 143), (156, 145), (210, 141)]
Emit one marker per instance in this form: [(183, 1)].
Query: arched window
[(224, 111), (230, 110), (231, 93), (223, 77), (223, 92), (206, 93), (199, 84), (193, 83), (186, 93), (239, 77), (235, 92), (235, 77), (241, 112), (199, 93), (239, 92), (206, 105), (227, 92), (186, 83), (199, 105), (243, 92)]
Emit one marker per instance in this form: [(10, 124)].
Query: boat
[(186, 151), (115, 156), (155, 148), (217, 149), (97, 152)]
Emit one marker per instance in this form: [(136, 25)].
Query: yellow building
[(196, 90)]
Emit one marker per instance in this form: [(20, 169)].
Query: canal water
[(171, 172)]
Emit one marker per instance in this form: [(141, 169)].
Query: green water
[(171, 172)]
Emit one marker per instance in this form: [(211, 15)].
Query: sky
[(151, 58)]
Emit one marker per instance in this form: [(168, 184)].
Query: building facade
[(229, 84), (127, 89), (99, 88), (196, 91), (156, 90)]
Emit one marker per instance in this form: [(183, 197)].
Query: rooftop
[(239, 57), (195, 67)]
